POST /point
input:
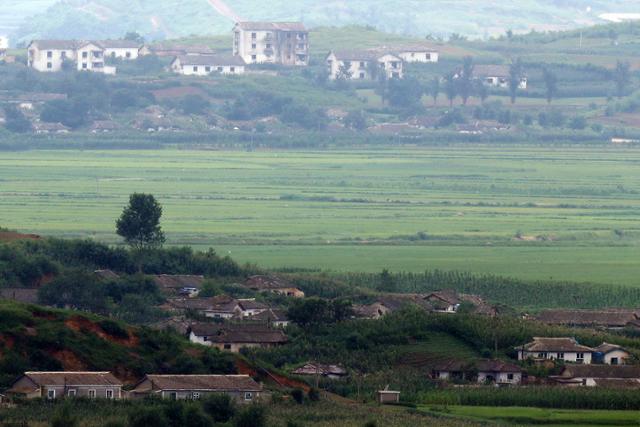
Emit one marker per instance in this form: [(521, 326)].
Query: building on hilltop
[(234, 337), (497, 76), (562, 349), (58, 385), (284, 43)]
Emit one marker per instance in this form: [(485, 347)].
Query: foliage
[(251, 416), (139, 223), (15, 120), (194, 104), (220, 407), (317, 311)]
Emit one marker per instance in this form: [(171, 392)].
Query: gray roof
[(237, 334), (56, 44), (606, 318), (198, 383), (118, 44), (356, 55), (540, 344), (601, 371), (272, 26), (219, 59)]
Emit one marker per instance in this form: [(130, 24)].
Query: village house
[(120, 49), (274, 285), (204, 65), (483, 371), (106, 275), (449, 301), (47, 128), (285, 43), (172, 50), (23, 295), (174, 285), (606, 319), (611, 354), (242, 388), (563, 349), (373, 311), (333, 372), (4, 45), (272, 316), (234, 337), (417, 54), (218, 307), (251, 307), (363, 65), (387, 396), (497, 76), (599, 376), (58, 385), (50, 55)]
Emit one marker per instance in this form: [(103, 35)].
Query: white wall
[(121, 53), (567, 356), (501, 377), (619, 354), (419, 56)]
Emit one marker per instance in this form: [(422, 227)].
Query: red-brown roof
[(604, 318), (218, 383), (166, 281), (245, 334), (43, 379), (540, 344)]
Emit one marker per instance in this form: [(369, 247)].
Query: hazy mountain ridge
[(176, 18)]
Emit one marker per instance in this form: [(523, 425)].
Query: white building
[(50, 55), (611, 354), (497, 76), (363, 65), (563, 349), (418, 54), (4, 45), (203, 65), (121, 49), (600, 376), (285, 43)]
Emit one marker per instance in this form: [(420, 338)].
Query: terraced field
[(530, 212)]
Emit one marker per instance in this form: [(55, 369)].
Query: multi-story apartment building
[(285, 43)]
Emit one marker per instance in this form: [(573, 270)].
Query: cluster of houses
[(104, 385)]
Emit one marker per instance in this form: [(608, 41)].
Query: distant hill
[(159, 19)]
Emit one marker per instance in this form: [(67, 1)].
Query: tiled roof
[(25, 295), (220, 303), (272, 314), (496, 366), (251, 304), (267, 282), (618, 383), (449, 296), (58, 44), (219, 59), (166, 281), (605, 348), (491, 70), (272, 26), (236, 334), (313, 368), (601, 371), (73, 378), (555, 344), (200, 383), (118, 44), (606, 318)]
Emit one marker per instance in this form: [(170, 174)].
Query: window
[(173, 396), (72, 393), (301, 46), (205, 339), (49, 54), (510, 377), (51, 394), (63, 55), (85, 54), (227, 346), (268, 45), (92, 394), (254, 58), (195, 395), (220, 69), (248, 396), (113, 54), (362, 65), (109, 394), (84, 66), (128, 54), (560, 356), (254, 46), (49, 65), (195, 69), (362, 75), (207, 69), (254, 36), (428, 56), (615, 361), (232, 69)]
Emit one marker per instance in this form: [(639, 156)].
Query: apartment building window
[(254, 46), (254, 58), (49, 65), (254, 36), (220, 69), (362, 64), (49, 54), (84, 66), (362, 75), (63, 55), (428, 57), (85, 54), (268, 45)]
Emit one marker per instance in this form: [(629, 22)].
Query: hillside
[(36, 338), (173, 18)]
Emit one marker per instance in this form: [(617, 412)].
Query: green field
[(530, 212), (539, 416)]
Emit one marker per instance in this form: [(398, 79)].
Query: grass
[(539, 416), (575, 209)]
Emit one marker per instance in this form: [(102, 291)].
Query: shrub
[(147, 417), (220, 407), (194, 417), (298, 395), (251, 416), (64, 417)]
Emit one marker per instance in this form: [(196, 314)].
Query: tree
[(481, 90), (465, 79), (515, 79), (134, 37), (434, 89), (405, 93), (387, 282), (147, 417), (139, 223), (64, 417), (194, 417), (251, 416), (551, 84), (450, 88), (15, 121), (355, 120), (622, 78), (220, 407)]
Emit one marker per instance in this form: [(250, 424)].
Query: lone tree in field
[(515, 79), (551, 84), (139, 223), (622, 78)]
